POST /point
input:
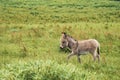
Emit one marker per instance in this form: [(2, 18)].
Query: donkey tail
[(98, 50)]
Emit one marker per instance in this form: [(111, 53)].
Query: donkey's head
[(63, 40)]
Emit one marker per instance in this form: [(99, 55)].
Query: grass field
[(29, 38)]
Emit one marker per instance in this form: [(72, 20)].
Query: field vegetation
[(29, 39)]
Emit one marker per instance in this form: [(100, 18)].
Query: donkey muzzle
[(61, 47)]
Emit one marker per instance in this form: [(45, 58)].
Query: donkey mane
[(68, 35)]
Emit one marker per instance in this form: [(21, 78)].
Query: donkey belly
[(83, 52)]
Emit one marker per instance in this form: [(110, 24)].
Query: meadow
[(29, 39)]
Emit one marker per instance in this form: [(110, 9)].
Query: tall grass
[(40, 70), (44, 70)]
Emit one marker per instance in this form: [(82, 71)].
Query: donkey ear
[(64, 34)]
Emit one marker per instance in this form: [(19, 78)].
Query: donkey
[(80, 47)]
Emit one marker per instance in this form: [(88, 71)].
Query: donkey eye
[(63, 42)]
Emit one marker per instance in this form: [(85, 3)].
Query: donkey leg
[(98, 56), (94, 55), (79, 58), (71, 54)]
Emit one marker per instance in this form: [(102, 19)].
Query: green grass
[(44, 70), (40, 11), (41, 70), (30, 31)]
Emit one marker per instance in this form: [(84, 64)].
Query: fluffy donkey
[(80, 47)]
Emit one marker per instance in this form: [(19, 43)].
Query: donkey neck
[(71, 42)]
